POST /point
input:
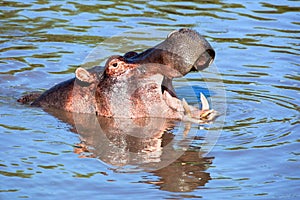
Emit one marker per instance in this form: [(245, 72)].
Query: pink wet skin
[(133, 85)]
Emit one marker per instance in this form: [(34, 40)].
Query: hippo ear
[(83, 75)]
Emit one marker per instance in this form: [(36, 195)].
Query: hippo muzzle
[(184, 50)]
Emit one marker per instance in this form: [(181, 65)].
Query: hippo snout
[(195, 50), (183, 50)]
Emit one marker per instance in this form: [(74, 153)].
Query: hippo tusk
[(186, 108), (188, 114), (206, 115), (205, 105)]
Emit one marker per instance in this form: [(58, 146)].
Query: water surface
[(256, 151)]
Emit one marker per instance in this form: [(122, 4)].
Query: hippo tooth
[(205, 105), (186, 107)]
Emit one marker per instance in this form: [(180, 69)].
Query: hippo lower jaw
[(191, 113)]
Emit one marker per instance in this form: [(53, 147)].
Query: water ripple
[(257, 55)]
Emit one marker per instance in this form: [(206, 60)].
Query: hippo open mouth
[(184, 50)]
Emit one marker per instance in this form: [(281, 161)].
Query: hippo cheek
[(103, 104), (147, 101), (139, 106), (143, 99)]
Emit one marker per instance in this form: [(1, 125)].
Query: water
[(255, 153)]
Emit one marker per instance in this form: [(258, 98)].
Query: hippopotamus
[(136, 85)]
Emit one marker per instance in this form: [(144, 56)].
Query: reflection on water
[(257, 56), (147, 144)]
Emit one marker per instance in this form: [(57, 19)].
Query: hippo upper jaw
[(183, 50)]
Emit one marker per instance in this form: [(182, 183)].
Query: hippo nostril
[(211, 53), (204, 60)]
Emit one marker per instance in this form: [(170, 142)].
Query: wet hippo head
[(137, 84), (183, 50)]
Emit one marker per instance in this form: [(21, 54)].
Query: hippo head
[(136, 85)]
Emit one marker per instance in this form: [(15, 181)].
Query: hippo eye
[(115, 64)]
